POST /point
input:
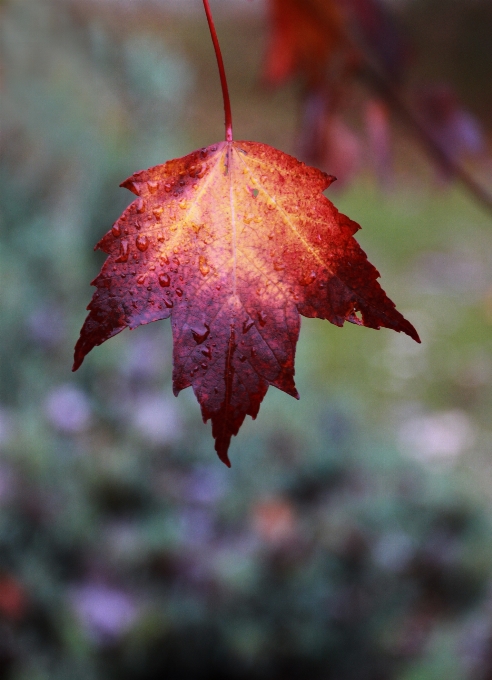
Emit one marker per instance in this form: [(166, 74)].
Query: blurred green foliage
[(352, 537)]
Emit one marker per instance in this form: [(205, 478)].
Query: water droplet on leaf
[(124, 252), (200, 334), (203, 265), (249, 323), (262, 318), (142, 242), (308, 279), (164, 280)]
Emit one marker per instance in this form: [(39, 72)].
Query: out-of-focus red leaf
[(299, 42), (234, 243), (13, 601)]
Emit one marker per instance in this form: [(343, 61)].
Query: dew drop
[(167, 187), (142, 242), (308, 279), (262, 318), (271, 235), (242, 358), (124, 252), (116, 230), (179, 292), (157, 212), (207, 352), (253, 352), (140, 205), (149, 287), (203, 364), (203, 265), (203, 153), (247, 325), (164, 280), (247, 219), (200, 335), (152, 186), (183, 205), (141, 279), (168, 303), (278, 265)]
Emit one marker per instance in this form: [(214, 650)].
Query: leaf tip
[(222, 453), (76, 364), (329, 179), (130, 185), (411, 332)]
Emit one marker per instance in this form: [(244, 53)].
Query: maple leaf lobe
[(233, 242)]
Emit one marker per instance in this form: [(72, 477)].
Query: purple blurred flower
[(46, 325), (105, 613), (67, 409), (156, 418)]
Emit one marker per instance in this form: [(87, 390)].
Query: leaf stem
[(223, 79)]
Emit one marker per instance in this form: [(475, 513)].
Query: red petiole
[(223, 79)]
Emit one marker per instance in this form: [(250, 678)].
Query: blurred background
[(352, 538)]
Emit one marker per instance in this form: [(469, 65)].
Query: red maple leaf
[(233, 242)]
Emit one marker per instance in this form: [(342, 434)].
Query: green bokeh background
[(352, 537)]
